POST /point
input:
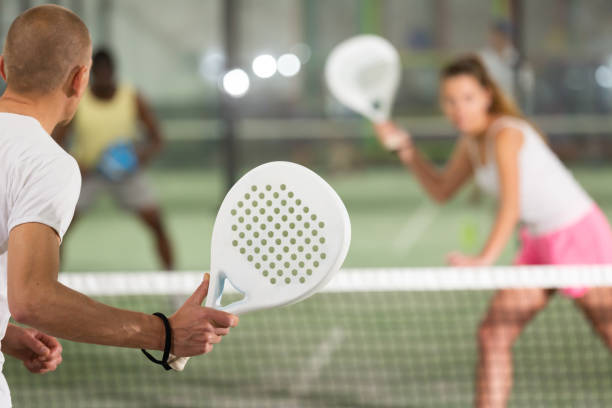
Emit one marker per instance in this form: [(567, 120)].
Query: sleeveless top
[(550, 198), (101, 123)]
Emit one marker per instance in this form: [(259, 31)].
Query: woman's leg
[(596, 304), (508, 314)]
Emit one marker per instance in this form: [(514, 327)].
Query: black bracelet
[(164, 361)]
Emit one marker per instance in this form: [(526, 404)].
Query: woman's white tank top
[(549, 195)]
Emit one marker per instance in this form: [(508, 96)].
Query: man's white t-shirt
[(39, 182)]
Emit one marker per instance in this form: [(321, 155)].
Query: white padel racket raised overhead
[(364, 73), (280, 235)]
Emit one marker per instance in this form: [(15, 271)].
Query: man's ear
[(77, 81), (2, 69), (83, 79)]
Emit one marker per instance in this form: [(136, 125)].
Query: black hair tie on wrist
[(168, 344)]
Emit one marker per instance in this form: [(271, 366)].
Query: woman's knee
[(496, 336)]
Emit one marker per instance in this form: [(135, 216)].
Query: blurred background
[(237, 83), (176, 54)]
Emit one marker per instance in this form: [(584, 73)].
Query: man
[(109, 116), (501, 59), (45, 64)]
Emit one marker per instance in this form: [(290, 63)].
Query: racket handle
[(177, 363), (391, 137), (395, 141), (212, 300)]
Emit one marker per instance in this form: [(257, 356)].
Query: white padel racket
[(364, 73), (280, 235)]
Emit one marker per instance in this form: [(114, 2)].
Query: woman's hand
[(395, 139), (456, 258)]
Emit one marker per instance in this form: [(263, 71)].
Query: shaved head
[(44, 45)]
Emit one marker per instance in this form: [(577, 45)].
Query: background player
[(110, 115)]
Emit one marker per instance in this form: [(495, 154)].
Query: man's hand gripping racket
[(280, 235), (196, 329)]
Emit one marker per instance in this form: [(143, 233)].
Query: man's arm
[(155, 141), (37, 299)]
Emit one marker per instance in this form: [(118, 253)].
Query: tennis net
[(372, 338)]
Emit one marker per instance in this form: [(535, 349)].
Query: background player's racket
[(280, 235), (363, 73)]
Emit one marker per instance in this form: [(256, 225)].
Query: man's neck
[(42, 108)]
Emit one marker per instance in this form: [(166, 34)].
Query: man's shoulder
[(55, 158), (28, 144)]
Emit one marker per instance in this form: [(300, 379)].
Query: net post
[(228, 110)]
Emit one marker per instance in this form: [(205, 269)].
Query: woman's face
[(465, 102)]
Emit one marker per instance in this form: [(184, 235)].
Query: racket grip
[(391, 137), (177, 363), (395, 141)]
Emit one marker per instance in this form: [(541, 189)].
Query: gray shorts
[(133, 193)]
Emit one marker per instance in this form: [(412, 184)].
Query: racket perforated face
[(278, 234), (281, 233), (363, 73)]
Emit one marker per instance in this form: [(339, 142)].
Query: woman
[(509, 159)]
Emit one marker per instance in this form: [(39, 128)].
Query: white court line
[(317, 361), (414, 228)]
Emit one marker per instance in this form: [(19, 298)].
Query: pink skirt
[(586, 242)]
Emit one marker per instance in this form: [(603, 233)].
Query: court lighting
[(211, 65), (302, 51), (236, 83), (289, 65), (603, 76), (264, 66)]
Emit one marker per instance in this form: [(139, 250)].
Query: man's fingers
[(209, 338), (200, 293), (36, 366), (221, 331), (55, 354), (37, 346), (33, 365), (50, 341), (222, 319), (213, 339), (42, 369)]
